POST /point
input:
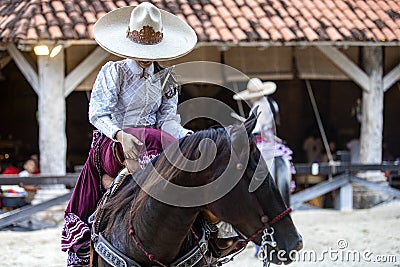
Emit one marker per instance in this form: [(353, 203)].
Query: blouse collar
[(138, 70)]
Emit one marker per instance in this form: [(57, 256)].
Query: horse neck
[(161, 228)]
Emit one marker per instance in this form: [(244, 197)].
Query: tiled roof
[(215, 20)]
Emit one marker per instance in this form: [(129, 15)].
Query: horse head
[(250, 211), (152, 217)]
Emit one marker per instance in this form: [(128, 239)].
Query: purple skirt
[(87, 191)]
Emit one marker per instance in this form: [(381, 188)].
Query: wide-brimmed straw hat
[(256, 88), (144, 33)]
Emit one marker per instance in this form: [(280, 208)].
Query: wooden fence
[(342, 178)]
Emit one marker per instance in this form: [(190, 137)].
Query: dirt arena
[(331, 238)]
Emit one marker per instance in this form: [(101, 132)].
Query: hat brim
[(269, 89), (110, 33)]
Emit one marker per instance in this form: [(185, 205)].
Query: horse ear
[(251, 121)]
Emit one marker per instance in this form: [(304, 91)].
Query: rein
[(276, 219), (150, 256)]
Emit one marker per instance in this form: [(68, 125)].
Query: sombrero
[(256, 88), (144, 33)]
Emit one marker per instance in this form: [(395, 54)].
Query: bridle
[(267, 227), (267, 232)]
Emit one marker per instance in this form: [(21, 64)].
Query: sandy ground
[(374, 234)]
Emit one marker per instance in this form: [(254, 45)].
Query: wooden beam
[(372, 107), (14, 216), (52, 115), (344, 198), (68, 179), (24, 66), (390, 78), (76, 76), (4, 61), (382, 188), (318, 190), (346, 65)]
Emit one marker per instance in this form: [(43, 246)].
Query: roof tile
[(31, 34), (193, 21), (231, 23), (287, 34), (310, 34), (259, 12), (379, 35), (226, 35), (394, 5), (382, 4), (223, 12), (278, 22), (262, 33), (346, 33), (243, 23), (55, 32), (266, 23), (390, 36), (248, 13), (293, 11), (212, 34), (210, 10), (314, 23), (333, 34), (216, 20), (235, 11), (58, 6), (289, 22), (252, 3), (275, 35), (239, 34)]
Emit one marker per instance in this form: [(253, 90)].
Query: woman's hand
[(130, 144)]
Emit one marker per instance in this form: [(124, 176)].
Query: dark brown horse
[(153, 223)]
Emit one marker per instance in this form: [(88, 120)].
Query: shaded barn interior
[(335, 93)]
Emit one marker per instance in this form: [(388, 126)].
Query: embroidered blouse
[(121, 98)]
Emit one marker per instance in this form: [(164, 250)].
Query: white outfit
[(24, 173), (354, 146), (265, 121), (122, 99)]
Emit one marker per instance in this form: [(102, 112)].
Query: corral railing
[(342, 176), (13, 216)]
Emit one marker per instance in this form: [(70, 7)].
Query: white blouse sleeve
[(168, 120), (104, 98)]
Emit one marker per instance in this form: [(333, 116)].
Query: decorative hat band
[(146, 36)]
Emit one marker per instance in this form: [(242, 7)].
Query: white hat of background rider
[(256, 88), (144, 33)]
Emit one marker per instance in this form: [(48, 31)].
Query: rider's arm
[(103, 100), (167, 118)]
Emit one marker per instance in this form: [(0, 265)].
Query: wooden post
[(372, 107), (344, 198), (51, 107)]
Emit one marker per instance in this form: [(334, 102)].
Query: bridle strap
[(150, 256), (276, 219)]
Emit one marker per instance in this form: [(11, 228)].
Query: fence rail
[(339, 167), (68, 179), (341, 182)]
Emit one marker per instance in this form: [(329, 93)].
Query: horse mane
[(121, 204)]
